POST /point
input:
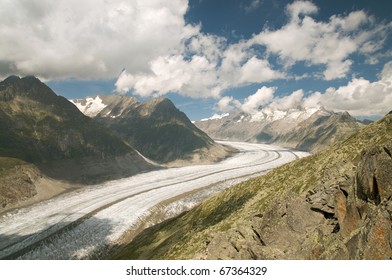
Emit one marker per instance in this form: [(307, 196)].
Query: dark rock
[(374, 176)]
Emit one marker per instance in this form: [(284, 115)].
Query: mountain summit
[(306, 129), (49, 134), (156, 128)]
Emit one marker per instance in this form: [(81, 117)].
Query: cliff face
[(346, 216), (336, 204)]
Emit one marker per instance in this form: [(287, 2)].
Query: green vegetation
[(37, 125), (187, 235)]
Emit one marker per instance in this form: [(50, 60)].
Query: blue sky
[(207, 56)]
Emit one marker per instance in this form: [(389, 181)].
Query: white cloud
[(194, 78), (90, 38), (161, 53), (321, 43), (262, 97), (254, 5), (227, 104), (206, 69), (288, 102), (258, 70), (298, 8), (359, 97)]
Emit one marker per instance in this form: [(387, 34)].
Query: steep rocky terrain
[(45, 135), (335, 204), (300, 128), (156, 128)]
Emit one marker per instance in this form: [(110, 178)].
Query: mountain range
[(307, 129), (156, 128), (48, 146), (335, 204)]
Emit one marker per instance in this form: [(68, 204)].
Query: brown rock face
[(374, 177), (378, 244), (347, 216)]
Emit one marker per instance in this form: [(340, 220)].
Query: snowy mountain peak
[(215, 117), (89, 106), (268, 114), (295, 114)]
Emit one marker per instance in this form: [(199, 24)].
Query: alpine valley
[(47, 146), (109, 176)]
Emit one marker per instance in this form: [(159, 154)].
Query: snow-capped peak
[(215, 117), (291, 115), (91, 106)]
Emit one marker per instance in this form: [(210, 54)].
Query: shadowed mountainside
[(156, 128), (45, 135)]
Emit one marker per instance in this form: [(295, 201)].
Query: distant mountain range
[(335, 204), (300, 128)]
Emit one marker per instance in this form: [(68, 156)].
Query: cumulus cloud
[(359, 97), (207, 68), (88, 39), (262, 97), (94, 39), (321, 43), (227, 104), (288, 102), (195, 78)]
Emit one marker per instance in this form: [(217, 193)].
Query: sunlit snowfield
[(77, 225)]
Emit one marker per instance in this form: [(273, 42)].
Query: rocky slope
[(335, 204), (45, 135), (156, 128), (300, 128)]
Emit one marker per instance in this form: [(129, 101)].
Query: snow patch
[(91, 107), (241, 119), (215, 117), (290, 115)]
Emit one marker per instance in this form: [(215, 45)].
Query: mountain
[(335, 204), (156, 128), (43, 134), (299, 128)]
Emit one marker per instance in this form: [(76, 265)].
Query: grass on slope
[(186, 235)]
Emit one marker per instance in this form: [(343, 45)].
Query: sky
[(208, 56)]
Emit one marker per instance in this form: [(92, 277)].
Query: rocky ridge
[(44, 136), (156, 128), (305, 129)]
